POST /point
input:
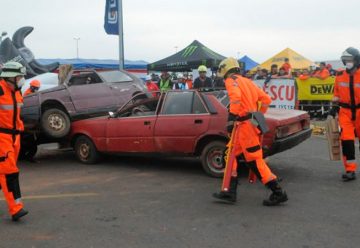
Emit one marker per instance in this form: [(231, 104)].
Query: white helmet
[(148, 78)]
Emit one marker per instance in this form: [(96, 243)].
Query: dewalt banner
[(315, 89)]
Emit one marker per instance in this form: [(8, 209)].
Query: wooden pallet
[(333, 137)]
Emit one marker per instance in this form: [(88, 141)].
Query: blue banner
[(111, 24)]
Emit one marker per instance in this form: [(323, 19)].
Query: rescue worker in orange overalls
[(246, 97), (347, 103), (34, 87), (11, 81)]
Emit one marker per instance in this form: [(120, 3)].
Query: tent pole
[(121, 35)]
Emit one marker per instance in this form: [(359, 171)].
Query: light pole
[(77, 46), (175, 49), (4, 33)]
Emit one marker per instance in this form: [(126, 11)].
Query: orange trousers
[(247, 143), (9, 173), (349, 129)]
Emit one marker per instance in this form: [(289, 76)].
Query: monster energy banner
[(188, 58)]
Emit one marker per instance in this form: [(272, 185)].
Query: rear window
[(115, 77)]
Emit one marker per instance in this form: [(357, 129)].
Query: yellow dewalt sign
[(315, 89)]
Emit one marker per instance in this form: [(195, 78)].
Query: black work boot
[(277, 196), (230, 195), (22, 212), (349, 176)]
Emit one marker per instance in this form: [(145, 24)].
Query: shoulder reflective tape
[(20, 104), (344, 84), (6, 106), (351, 161)]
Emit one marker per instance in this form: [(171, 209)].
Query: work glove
[(333, 111)]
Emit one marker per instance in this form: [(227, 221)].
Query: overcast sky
[(317, 29)]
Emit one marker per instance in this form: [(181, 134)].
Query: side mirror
[(112, 114)]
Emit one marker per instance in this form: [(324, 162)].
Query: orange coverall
[(347, 92), (245, 97), (10, 128)]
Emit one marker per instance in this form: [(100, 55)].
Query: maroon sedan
[(186, 123)]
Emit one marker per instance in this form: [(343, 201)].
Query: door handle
[(147, 123), (198, 121)]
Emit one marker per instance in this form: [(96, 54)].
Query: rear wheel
[(55, 123), (212, 158), (86, 151)]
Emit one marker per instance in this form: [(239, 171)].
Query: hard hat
[(35, 83), (12, 69), (351, 54), (148, 78), (226, 65), (202, 68)]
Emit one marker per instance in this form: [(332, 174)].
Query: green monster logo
[(189, 51)]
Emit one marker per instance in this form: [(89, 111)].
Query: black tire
[(86, 151), (55, 123), (212, 157)]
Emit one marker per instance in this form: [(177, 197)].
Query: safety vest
[(10, 105), (245, 96), (165, 85), (347, 90)]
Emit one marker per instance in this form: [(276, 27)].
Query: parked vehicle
[(83, 94), (186, 123)]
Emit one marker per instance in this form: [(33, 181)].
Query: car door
[(90, 94), (133, 131), (182, 120)]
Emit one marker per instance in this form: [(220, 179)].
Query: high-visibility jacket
[(322, 74), (28, 92), (245, 96), (347, 89), (10, 127)]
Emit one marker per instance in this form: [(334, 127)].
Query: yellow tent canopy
[(296, 60)]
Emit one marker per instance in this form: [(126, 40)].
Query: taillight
[(282, 132), (305, 124)]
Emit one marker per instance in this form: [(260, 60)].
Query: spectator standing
[(287, 66), (322, 73), (304, 74), (150, 85), (180, 83), (202, 82), (257, 75), (188, 80), (165, 82)]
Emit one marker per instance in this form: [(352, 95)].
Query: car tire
[(86, 151), (212, 158), (55, 123)]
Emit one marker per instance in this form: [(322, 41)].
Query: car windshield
[(115, 76)]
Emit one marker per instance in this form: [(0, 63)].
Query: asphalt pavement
[(166, 202)]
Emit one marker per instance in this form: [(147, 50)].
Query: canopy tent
[(188, 58), (296, 60), (249, 63), (97, 63)]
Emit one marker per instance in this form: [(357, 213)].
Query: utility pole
[(121, 35), (77, 46)]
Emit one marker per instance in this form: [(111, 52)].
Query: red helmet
[(35, 83)]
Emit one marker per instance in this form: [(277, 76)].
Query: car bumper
[(286, 143)]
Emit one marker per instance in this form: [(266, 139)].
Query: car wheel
[(55, 123), (86, 151), (212, 158)]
